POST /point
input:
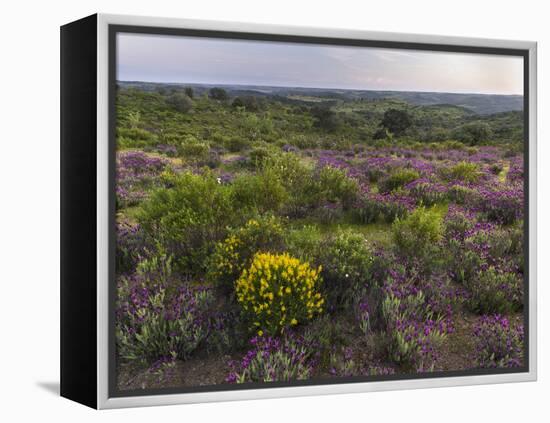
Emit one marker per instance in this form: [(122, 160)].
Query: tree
[(218, 94), (396, 121), (180, 102), (326, 118), (473, 132), (249, 102), (189, 92)]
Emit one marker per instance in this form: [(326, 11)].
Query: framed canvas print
[(254, 211)]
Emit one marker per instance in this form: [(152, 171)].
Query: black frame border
[(114, 29)]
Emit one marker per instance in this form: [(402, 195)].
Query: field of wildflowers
[(261, 255)]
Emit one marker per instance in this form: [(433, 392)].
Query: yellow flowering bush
[(235, 253), (278, 291)]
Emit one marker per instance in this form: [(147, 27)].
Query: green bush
[(397, 179), (417, 234), (304, 242), (134, 137), (462, 195), (180, 102), (193, 151), (235, 253), (148, 329), (261, 193), (278, 291), (335, 185), (496, 291), (299, 181), (473, 133), (462, 171), (189, 218), (346, 259), (259, 156)]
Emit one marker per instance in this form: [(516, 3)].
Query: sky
[(181, 59)]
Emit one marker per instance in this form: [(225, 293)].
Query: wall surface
[(29, 228)]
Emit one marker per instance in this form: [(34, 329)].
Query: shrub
[(496, 291), (462, 171), (464, 260), (152, 324), (193, 151), (304, 242), (298, 180), (180, 102), (498, 343), (326, 118), (427, 193), (236, 144), (261, 193), (259, 156), (502, 206), (265, 234), (346, 259), (413, 338), (134, 137), (367, 210), (131, 246), (336, 186), (363, 315), (456, 224), (397, 179), (396, 121), (387, 207), (278, 291), (273, 359), (189, 218), (218, 94), (342, 364), (462, 195), (413, 344), (473, 133), (418, 233)]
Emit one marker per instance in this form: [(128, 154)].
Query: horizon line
[(319, 88)]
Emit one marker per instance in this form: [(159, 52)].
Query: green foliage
[(417, 234), (463, 171), (193, 151), (396, 121), (180, 102), (134, 137), (496, 291), (260, 193), (189, 218), (249, 103), (145, 333), (397, 179), (460, 194), (189, 92), (218, 94), (473, 133), (304, 242), (326, 118), (345, 259), (259, 156), (336, 186)]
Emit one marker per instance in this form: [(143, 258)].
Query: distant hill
[(482, 104)]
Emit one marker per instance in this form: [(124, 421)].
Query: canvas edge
[(103, 400)]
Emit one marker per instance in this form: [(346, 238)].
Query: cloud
[(159, 58)]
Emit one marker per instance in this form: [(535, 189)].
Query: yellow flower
[(294, 322)]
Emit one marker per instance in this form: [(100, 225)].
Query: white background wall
[(29, 209)]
